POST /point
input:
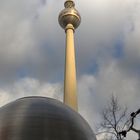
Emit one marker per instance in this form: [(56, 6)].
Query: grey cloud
[(25, 39), (32, 39)]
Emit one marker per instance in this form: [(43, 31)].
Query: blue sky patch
[(118, 48)]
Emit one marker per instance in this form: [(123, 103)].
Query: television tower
[(69, 20)]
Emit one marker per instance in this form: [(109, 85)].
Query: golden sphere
[(69, 16)]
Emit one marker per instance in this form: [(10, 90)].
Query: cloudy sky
[(32, 47)]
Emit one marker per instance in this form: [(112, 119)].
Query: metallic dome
[(69, 15), (40, 118)]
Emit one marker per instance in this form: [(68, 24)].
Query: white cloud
[(30, 87)]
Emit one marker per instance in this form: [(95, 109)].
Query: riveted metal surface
[(40, 118)]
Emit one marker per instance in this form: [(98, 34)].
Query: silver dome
[(40, 118)]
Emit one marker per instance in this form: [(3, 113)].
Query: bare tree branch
[(131, 127), (113, 119)]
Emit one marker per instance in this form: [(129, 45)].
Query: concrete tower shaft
[(69, 20)]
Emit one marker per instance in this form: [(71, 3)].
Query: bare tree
[(131, 125), (113, 119)]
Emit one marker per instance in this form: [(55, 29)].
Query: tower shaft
[(70, 90)]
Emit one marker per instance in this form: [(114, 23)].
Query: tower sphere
[(69, 15), (41, 118)]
